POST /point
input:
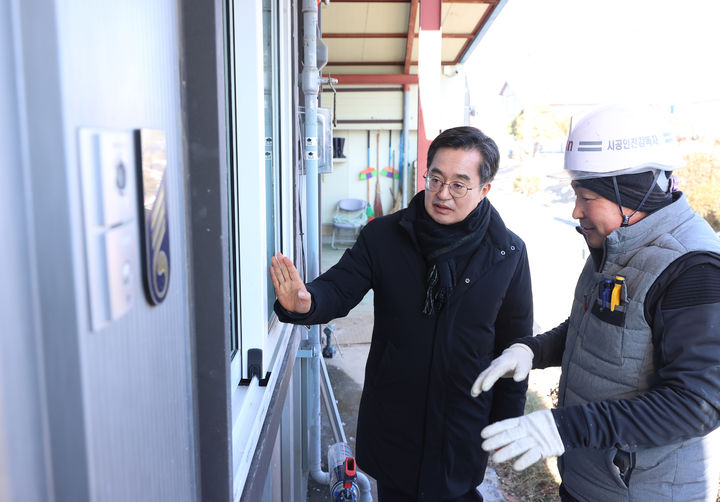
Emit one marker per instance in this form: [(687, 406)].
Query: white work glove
[(515, 362), (534, 436)]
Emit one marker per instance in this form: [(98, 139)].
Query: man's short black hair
[(469, 138)]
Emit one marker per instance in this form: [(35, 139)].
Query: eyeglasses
[(457, 189)]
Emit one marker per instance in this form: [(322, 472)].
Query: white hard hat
[(621, 139)]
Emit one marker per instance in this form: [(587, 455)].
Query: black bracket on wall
[(254, 361)]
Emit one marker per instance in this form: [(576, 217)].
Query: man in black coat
[(451, 291)]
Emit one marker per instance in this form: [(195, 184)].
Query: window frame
[(254, 323)]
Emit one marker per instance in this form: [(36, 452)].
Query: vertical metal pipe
[(310, 86), (405, 141)]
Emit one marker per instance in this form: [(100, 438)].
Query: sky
[(587, 51)]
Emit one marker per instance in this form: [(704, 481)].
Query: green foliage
[(700, 181), (539, 122), (516, 126), (527, 185)]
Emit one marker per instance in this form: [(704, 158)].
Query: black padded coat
[(418, 426)]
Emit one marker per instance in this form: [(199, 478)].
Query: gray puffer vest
[(609, 355)]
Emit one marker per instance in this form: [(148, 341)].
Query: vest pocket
[(610, 301), (624, 462), (602, 330), (619, 474), (616, 318), (602, 340)]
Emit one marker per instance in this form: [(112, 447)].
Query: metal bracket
[(328, 396), (306, 351), (326, 391)]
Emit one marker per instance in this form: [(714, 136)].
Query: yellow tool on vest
[(615, 298)]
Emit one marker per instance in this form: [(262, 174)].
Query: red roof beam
[(491, 2), (376, 78), (412, 16), (390, 35)]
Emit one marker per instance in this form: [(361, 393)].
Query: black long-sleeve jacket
[(418, 426), (683, 309)]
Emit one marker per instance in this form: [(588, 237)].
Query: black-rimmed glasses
[(457, 189)]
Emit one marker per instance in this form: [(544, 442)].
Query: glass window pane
[(231, 123), (272, 168)]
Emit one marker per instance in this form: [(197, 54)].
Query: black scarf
[(444, 247)]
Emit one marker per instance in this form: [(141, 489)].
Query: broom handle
[(390, 150), (377, 182), (368, 164)]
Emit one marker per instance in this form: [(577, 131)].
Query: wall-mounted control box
[(110, 207)]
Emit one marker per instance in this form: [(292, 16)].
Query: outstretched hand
[(531, 437), (289, 287), (515, 362)]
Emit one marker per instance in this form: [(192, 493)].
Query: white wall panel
[(362, 109), (386, 105), (344, 181)]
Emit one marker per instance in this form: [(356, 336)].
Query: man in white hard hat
[(639, 395)]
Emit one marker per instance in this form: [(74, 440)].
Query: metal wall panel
[(49, 226), (119, 400), (360, 106), (120, 71), (22, 434)]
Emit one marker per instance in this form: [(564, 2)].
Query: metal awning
[(381, 37)]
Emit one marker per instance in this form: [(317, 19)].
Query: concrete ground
[(556, 253)]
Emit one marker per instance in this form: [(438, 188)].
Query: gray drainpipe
[(311, 87), (406, 139)]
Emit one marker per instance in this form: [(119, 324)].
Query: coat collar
[(497, 246), (625, 240), (497, 233)]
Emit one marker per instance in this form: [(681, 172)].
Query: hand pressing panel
[(289, 287)]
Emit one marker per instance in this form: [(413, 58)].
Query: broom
[(390, 171), (366, 174)]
